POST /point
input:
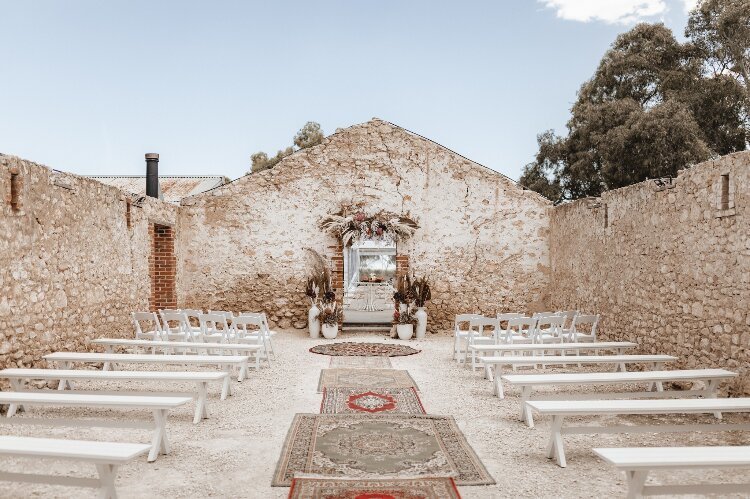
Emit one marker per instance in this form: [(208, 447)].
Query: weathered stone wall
[(70, 268), (668, 269), (482, 241)]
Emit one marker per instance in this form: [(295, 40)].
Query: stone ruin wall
[(70, 267), (668, 269), (482, 241)]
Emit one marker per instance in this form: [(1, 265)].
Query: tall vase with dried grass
[(317, 287), (330, 315), (422, 294)]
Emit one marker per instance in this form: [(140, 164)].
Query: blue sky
[(90, 86)]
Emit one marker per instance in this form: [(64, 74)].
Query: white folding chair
[(151, 328), (214, 328), (549, 329), (174, 326), (248, 329), (266, 331), (487, 331), (578, 335), (193, 322), (462, 335), (567, 327)]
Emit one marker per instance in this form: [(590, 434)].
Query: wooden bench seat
[(560, 409), (183, 346), (106, 456), (227, 362), (526, 382), (66, 377), (495, 350), (619, 361), (637, 462), (158, 405)]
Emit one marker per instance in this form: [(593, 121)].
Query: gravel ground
[(234, 453)]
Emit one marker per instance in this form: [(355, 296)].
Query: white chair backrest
[(549, 325), (263, 319), (464, 319), (150, 319), (539, 315), (228, 315), (579, 320), (246, 325), (213, 324), (518, 325), (491, 324), (178, 318), (569, 316)]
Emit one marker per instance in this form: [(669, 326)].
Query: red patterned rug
[(364, 349), (357, 488), (371, 401)]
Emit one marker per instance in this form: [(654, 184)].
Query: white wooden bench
[(159, 406), (526, 382), (618, 347), (560, 409), (183, 347), (637, 462), (106, 456), (618, 360), (66, 377), (227, 362)]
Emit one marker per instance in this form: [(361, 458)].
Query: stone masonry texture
[(482, 241)]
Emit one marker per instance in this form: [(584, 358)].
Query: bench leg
[(555, 447), (712, 386), (243, 372), (201, 411), (225, 388), (107, 475), (498, 383), (525, 411), (159, 443), (636, 480), (16, 385)]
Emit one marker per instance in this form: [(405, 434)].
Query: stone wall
[(482, 241), (70, 267), (669, 269)]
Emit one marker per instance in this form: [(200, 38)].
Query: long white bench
[(560, 409), (66, 377), (227, 362), (526, 382), (618, 360), (637, 462), (106, 456), (183, 347), (618, 347), (159, 406)]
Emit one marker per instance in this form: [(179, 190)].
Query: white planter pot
[(402, 307), (405, 331), (313, 323), (330, 331), (421, 316)]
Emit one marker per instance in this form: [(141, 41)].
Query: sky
[(90, 86)]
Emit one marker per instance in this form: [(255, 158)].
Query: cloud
[(609, 11), (689, 4)]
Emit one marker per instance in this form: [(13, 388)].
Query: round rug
[(364, 349)]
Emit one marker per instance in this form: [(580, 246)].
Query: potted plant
[(312, 290), (330, 315), (404, 324), (421, 293)]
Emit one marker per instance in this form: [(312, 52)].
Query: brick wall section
[(670, 269), (162, 268), (337, 270), (402, 265)]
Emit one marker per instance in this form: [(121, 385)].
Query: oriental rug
[(364, 349), (360, 362), (397, 488), (383, 446), (371, 401), (365, 378)]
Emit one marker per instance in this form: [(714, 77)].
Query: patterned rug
[(360, 362), (371, 401), (364, 349), (378, 446), (399, 488), (365, 378)]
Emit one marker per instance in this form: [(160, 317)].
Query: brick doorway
[(162, 268)]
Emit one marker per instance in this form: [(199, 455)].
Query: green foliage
[(653, 106), (309, 135)]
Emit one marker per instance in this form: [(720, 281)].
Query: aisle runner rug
[(370, 401), (365, 378), (360, 362), (399, 488), (364, 349), (378, 446)]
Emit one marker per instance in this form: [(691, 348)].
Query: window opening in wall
[(127, 213), (606, 216), (725, 192), (15, 190)]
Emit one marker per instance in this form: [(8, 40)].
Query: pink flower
[(379, 231), (359, 217)]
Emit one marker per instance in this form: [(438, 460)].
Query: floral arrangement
[(330, 313), (420, 290), (359, 226), (405, 317)]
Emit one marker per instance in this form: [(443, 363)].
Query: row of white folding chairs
[(544, 327), (213, 327)]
